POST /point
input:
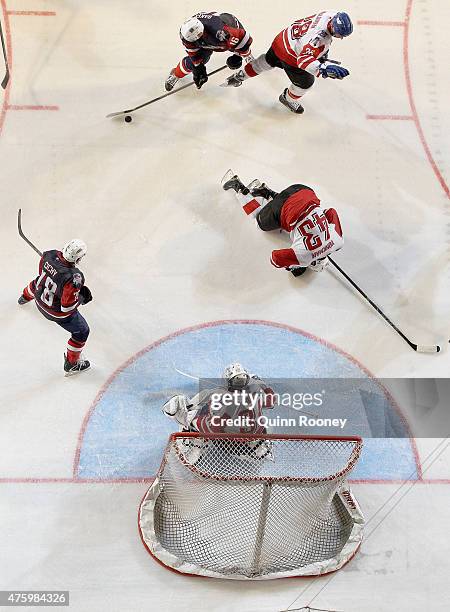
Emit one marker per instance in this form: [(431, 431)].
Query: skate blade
[(255, 184), (75, 372), (227, 176)]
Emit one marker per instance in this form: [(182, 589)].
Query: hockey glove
[(297, 271), (234, 62), (85, 295), (320, 264), (333, 71), (200, 76)]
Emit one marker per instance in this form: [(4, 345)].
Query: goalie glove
[(179, 410), (333, 71), (85, 295)]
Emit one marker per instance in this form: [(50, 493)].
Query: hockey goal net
[(247, 507)]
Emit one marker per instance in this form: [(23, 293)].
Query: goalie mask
[(236, 376)]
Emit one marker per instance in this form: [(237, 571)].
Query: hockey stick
[(5, 81), (420, 348), (170, 93), (22, 235), (186, 374)]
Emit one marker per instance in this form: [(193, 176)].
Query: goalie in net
[(249, 505), (235, 405)]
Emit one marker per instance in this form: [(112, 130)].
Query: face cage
[(239, 381)]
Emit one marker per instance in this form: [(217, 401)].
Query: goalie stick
[(22, 235), (419, 348), (5, 81), (170, 93)]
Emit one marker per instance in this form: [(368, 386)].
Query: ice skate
[(22, 300), (290, 103), (255, 184), (71, 369), (235, 80), (232, 181), (260, 190), (171, 81)]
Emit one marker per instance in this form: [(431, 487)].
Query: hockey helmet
[(192, 29), (236, 376), (74, 250), (341, 25)]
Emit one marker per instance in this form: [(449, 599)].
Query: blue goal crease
[(127, 432)]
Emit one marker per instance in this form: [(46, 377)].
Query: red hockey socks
[(74, 349)]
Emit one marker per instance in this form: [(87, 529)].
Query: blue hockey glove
[(333, 71)]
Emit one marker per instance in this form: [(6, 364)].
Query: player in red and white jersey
[(58, 291), (234, 406), (301, 51), (203, 34), (315, 232)]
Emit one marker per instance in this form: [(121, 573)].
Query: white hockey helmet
[(236, 376), (74, 250), (192, 29)]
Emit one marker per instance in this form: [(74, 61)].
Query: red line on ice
[(400, 24), (415, 114), (149, 480), (33, 13), (390, 117), (34, 107), (76, 480)]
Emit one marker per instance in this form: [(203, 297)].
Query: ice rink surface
[(171, 256)]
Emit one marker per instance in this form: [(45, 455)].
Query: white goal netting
[(246, 507)]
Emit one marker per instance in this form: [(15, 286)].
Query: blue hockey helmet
[(342, 25)]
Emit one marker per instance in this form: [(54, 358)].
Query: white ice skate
[(293, 105), (171, 81)]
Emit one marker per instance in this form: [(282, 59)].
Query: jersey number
[(49, 290), (312, 240)]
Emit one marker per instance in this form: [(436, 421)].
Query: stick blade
[(5, 81), (422, 348), (117, 114)]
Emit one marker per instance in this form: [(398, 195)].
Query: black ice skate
[(22, 300), (262, 191), (290, 103), (71, 369), (232, 181)]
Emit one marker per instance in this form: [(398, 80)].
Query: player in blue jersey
[(203, 34)]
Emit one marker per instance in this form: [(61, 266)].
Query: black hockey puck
[(128, 118)]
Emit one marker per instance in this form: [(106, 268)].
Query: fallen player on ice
[(315, 232)]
